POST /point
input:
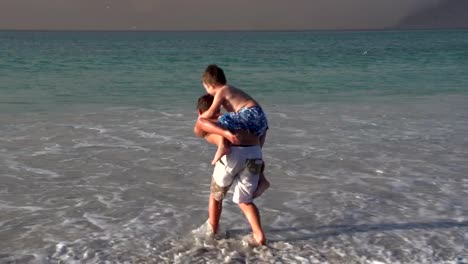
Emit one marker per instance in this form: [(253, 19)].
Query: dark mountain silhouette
[(447, 14)]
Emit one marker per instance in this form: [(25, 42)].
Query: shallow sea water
[(356, 183)]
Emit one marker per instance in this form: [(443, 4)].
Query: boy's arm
[(209, 126), (216, 105)]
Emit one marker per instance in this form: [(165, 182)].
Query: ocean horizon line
[(234, 30)]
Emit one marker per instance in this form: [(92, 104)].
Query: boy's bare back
[(235, 98)]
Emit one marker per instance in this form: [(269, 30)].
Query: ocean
[(367, 147)]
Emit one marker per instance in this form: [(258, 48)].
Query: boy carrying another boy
[(204, 102), (241, 164)]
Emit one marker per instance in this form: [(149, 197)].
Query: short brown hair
[(214, 75), (204, 102)]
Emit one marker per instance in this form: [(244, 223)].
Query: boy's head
[(204, 103), (213, 76)]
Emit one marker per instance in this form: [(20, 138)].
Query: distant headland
[(446, 14)]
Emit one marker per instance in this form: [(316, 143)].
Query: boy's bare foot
[(222, 150), (263, 185), (259, 239)]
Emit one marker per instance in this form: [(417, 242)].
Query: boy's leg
[(214, 139), (215, 204), (253, 216), (214, 212), (244, 188), (212, 127), (221, 142), (223, 149)]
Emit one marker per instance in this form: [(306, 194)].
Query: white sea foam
[(20, 208), (52, 149), (172, 114), (16, 166), (87, 144), (153, 135)]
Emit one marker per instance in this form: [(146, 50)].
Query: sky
[(206, 14)]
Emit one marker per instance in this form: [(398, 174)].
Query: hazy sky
[(204, 14)]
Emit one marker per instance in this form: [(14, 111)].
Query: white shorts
[(241, 169)]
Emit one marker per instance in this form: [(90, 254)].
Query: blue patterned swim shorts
[(252, 119)]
